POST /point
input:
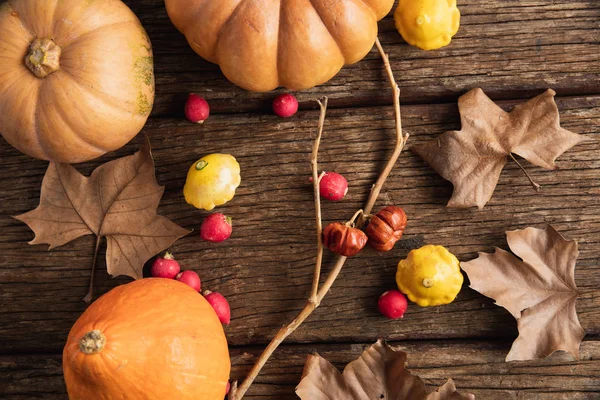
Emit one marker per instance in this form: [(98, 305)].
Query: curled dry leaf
[(379, 373), (539, 290), (118, 201), (473, 158)]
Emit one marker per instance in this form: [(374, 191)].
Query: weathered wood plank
[(477, 367), (510, 48), (265, 269)]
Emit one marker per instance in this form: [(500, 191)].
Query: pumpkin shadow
[(147, 267)]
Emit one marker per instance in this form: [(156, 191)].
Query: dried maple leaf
[(473, 157), (118, 201), (379, 373), (539, 291)]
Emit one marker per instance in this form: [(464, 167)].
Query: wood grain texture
[(476, 367), (511, 48), (265, 268)]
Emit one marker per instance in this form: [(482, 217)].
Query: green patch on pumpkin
[(143, 104), (143, 69)]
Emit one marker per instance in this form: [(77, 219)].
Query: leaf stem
[(90, 294), (535, 185), (237, 393)]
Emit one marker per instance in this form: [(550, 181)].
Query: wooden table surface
[(513, 49)]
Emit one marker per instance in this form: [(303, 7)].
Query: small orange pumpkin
[(343, 239), (263, 44), (76, 77), (152, 339)]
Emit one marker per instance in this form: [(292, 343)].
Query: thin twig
[(236, 393), (314, 299), (535, 185), (400, 138), (335, 271), (353, 219), (90, 294), (317, 195)]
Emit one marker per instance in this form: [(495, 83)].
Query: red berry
[(285, 105), (227, 388), (392, 304), (216, 228), (196, 109), (165, 267), (190, 278), (333, 186), (220, 305)]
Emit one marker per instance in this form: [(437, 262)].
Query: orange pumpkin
[(152, 339), (263, 44), (76, 77)]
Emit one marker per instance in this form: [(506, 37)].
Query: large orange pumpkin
[(76, 77), (152, 339), (263, 44)]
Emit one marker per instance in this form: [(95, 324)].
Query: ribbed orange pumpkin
[(152, 339), (76, 77), (263, 44)]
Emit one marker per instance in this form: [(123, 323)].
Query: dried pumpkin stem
[(43, 57), (92, 342), (317, 195), (237, 393), (90, 294), (535, 185)]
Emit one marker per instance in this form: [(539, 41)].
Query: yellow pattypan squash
[(427, 24), (211, 181), (430, 276)]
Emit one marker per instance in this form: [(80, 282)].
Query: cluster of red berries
[(332, 186), (167, 267), (392, 304), (197, 109)]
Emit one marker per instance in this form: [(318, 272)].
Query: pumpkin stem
[(92, 342), (428, 282), (43, 57)]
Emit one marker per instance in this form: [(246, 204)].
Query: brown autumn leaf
[(538, 290), (118, 201), (473, 158), (379, 373)]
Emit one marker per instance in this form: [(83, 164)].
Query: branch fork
[(352, 220), (359, 218)]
